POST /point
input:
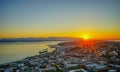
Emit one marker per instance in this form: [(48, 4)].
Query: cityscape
[(75, 56), (59, 35)]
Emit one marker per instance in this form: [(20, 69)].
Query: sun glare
[(85, 37)]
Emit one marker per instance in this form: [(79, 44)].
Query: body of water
[(13, 51)]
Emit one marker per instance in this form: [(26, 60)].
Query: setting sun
[(85, 37)]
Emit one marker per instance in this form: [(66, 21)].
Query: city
[(59, 35), (75, 56)]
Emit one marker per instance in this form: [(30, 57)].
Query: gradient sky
[(64, 18)]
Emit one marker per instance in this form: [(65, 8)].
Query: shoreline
[(11, 52), (70, 57), (23, 58)]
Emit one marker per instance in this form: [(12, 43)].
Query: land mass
[(37, 39)]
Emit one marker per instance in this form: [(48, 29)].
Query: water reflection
[(12, 51)]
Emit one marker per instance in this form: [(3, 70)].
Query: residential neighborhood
[(76, 56)]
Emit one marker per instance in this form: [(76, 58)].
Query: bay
[(13, 51)]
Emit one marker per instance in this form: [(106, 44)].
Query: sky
[(97, 19)]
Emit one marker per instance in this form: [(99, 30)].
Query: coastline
[(70, 57), (14, 51)]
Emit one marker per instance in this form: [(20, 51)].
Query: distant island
[(37, 39)]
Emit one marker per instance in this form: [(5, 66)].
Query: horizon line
[(63, 37)]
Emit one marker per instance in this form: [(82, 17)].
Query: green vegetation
[(57, 68), (80, 71), (73, 68)]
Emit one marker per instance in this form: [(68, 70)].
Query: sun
[(86, 37)]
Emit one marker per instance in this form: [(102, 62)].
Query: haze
[(100, 19)]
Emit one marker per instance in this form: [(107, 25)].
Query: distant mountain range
[(37, 39)]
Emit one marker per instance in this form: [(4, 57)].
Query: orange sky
[(98, 19)]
